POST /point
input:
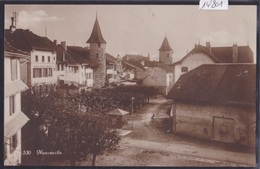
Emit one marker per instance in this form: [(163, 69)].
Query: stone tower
[(98, 55), (165, 52)]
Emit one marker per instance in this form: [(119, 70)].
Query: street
[(150, 145)]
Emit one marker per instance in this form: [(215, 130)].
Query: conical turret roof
[(165, 45), (96, 35)]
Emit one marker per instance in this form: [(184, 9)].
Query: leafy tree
[(76, 125)]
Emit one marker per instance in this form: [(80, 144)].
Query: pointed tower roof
[(165, 45), (96, 35)]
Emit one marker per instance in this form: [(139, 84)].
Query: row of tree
[(77, 125)]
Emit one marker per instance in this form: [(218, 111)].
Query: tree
[(75, 125)]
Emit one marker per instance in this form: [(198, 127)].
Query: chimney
[(234, 53), (12, 27), (63, 45), (208, 46), (55, 42)]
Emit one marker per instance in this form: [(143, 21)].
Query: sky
[(140, 29)]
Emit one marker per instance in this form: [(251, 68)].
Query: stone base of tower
[(99, 78)]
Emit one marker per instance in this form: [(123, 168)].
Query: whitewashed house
[(38, 72), (14, 118), (211, 55)]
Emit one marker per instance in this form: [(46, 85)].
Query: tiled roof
[(223, 54), (165, 45), (217, 84), (135, 63), (110, 58), (79, 55), (26, 40), (200, 49), (245, 54), (96, 35), (9, 48), (165, 67)]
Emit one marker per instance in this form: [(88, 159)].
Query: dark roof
[(200, 49), (245, 54), (136, 57), (96, 35), (26, 40), (135, 63), (223, 54), (79, 55), (110, 58), (9, 48), (217, 84), (60, 52), (165, 45), (165, 67)]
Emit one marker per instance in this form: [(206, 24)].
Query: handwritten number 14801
[(211, 4)]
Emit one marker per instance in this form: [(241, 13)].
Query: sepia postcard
[(130, 85)]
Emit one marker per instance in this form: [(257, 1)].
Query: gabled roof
[(110, 59), (14, 51), (63, 54), (135, 63), (165, 67), (227, 84), (223, 54), (79, 55), (200, 49), (26, 40), (96, 35), (165, 45), (245, 54)]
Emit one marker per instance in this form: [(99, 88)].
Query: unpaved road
[(150, 145)]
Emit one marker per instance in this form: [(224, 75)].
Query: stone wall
[(197, 121)]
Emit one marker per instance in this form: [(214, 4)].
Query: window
[(97, 55), (36, 58), (14, 70), (53, 58), (184, 69), (42, 58), (62, 67), (49, 59), (50, 72), (90, 75), (12, 104), (13, 143), (44, 73), (168, 55), (37, 72)]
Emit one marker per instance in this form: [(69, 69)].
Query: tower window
[(97, 55), (168, 55)]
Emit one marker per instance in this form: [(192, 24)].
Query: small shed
[(118, 117)]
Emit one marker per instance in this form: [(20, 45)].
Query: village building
[(38, 72), (14, 118), (160, 76), (209, 55), (216, 102), (78, 70)]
